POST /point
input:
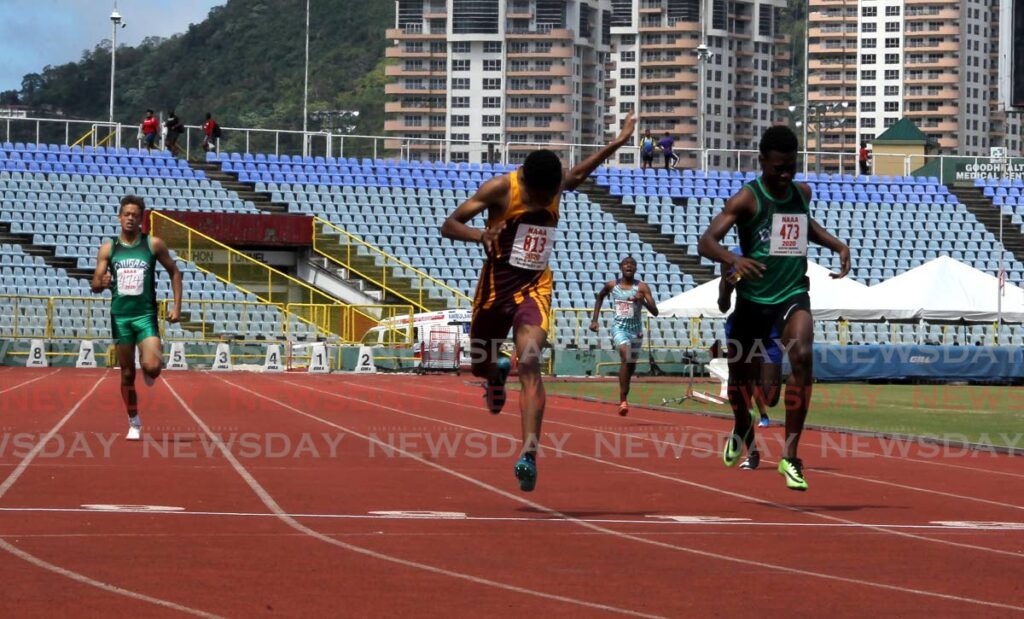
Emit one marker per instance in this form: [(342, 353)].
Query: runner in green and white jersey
[(773, 218), (127, 266)]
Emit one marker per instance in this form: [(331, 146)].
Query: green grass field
[(992, 415)]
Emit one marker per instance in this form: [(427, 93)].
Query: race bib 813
[(532, 247)]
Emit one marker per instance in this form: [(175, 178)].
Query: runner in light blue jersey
[(629, 297)]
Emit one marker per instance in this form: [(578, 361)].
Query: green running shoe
[(734, 446), (793, 470)]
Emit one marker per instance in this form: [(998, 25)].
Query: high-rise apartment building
[(531, 73), (655, 68), (524, 73), (874, 62)]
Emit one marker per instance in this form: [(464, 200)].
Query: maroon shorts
[(495, 322)]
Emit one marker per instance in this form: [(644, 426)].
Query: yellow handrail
[(390, 261), (106, 139), (184, 239), (84, 137)]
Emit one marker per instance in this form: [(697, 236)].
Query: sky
[(36, 33)]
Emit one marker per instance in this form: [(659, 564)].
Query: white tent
[(831, 299), (947, 290)]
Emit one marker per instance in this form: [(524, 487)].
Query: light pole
[(115, 21), (818, 111), (703, 56), (305, 91), (807, 62)]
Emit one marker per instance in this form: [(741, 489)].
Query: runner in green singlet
[(773, 217), (127, 266)]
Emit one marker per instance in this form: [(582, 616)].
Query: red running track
[(378, 495)]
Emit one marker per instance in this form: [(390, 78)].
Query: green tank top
[(786, 267), (133, 277)]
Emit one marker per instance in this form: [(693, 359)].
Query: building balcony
[(947, 62), (556, 52), (406, 107), (926, 97), (398, 89), (662, 62), (947, 13), (681, 77), (821, 18), (663, 114), (413, 34), (944, 46), (398, 52), (535, 32), (943, 110), (549, 110), (947, 30), (392, 126), (398, 71), (820, 32), (820, 48), (556, 89), (553, 71), (681, 93)]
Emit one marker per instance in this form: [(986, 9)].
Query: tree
[(30, 85)]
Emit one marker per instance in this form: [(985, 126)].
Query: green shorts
[(131, 330)]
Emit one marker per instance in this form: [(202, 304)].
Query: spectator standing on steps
[(665, 144), (150, 130), (174, 128)]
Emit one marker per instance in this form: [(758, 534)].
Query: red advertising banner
[(240, 229)]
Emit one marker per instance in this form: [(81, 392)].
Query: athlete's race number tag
[(532, 247), (623, 309), (789, 235), (130, 281)]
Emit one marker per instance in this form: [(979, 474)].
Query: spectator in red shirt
[(211, 133), (150, 130), (863, 158)]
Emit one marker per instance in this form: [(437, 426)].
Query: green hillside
[(244, 64)]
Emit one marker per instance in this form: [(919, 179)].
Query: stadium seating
[(67, 199), (399, 206)]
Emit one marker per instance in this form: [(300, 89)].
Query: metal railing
[(251, 276), (379, 267), (842, 159)]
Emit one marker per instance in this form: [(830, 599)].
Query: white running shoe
[(134, 433)]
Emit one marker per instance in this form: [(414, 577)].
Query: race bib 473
[(789, 235)]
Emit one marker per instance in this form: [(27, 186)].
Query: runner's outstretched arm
[(580, 173)]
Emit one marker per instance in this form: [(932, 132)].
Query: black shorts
[(647, 157), (755, 326)]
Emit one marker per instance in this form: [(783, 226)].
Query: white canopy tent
[(831, 299), (942, 290), (946, 290)]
